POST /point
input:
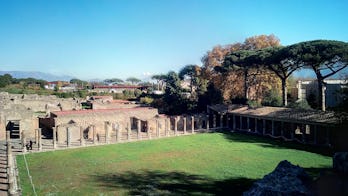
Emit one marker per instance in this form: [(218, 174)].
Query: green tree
[(114, 81), (193, 72), (160, 80), (5, 80), (80, 83), (324, 57), (174, 102), (278, 60), (133, 80)]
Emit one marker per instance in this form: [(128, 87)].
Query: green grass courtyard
[(201, 164)]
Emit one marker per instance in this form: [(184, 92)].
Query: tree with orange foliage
[(229, 81)]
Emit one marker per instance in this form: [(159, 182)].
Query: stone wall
[(97, 119), (39, 103), (28, 122)]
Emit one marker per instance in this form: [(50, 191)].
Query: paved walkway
[(3, 169), (16, 148)]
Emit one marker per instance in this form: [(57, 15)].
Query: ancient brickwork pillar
[(184, 123), (292, 131), (207, 122), (248, 123), (39, 139), (234, 122), (68, 137), (107, 131), (175, 126), (55, 129), (241, 122), (94, 134), (167, 126), (273, 128), (255, 130), (221, 120), (214, 121), (192, 124), (315, 139), (148, 130), (82, 140), (129, 129), (263, 127), (24, 141), (118, 131), (8, 136), (157, 128), (139, 128)]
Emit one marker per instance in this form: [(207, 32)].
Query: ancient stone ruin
[(286, 179)]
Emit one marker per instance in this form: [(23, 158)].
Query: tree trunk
[(321, 94), (246, 84), (284, 92)]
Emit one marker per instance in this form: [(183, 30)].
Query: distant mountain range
[(37, 75)]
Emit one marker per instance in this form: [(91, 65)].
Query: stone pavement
[(4, 185)]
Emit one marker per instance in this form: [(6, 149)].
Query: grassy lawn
[(199, 164)]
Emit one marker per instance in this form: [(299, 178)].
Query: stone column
[(68, 139), (185, 124), (214, 121), (272, 127), (255, 125), (129, 130), (221, 120), (55, 129), (9, 153), (282, 129), (157, 128), (175, 126), (24, 141), (263, 127), (292, 131), (248, 123), (94, 134), (82, 140), (138, 128), (192, 124), (8, 136), (234, 122), (167, 125), (207, 123), (327, 136), (39, 139), (118, 135), (148, 130), (241, 122), (107, 131)]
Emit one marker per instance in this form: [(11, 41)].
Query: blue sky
[(120, 38)]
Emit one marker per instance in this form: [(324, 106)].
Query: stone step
[(3, 176), (3, 186)]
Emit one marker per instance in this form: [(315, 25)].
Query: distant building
[(62, 85), (308, 89), (116, 88)]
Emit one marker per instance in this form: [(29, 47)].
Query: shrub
[(300, 104), (272, 98), (253, 104), (146, 100)]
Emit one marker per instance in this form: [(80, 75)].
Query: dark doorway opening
[(13, 127)]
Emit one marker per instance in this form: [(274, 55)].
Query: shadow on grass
[(171, 183), (274, 143)]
